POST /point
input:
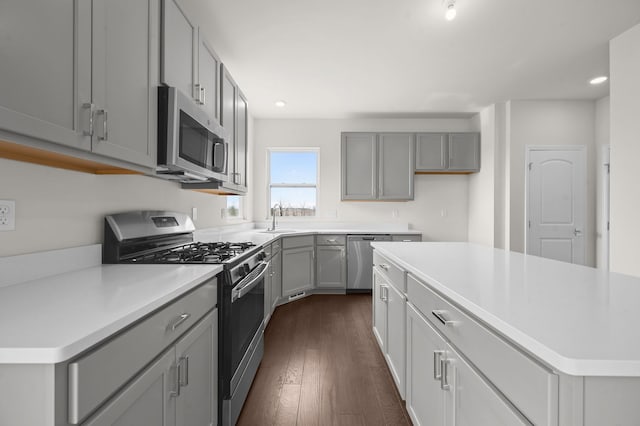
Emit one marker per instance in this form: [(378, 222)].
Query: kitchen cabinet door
[(240, 177), (396, 166), (380, 296), (298, 267), (396, 337), (425, 400), (147, 400), (45, 69), (208, 78), (359, 166), (464, 152), (276, 279), (196, 360), (228, 98), (431, 151), (179, 47), (471, 401), (125, 96), (331, 267)]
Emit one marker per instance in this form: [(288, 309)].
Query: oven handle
[(245, 287)]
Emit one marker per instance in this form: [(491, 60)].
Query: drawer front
[(331, 240), (95, 376), (294, 242), (530, 387), (406, 237), (393, 273)]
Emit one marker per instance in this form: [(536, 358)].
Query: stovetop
[(196, 252)]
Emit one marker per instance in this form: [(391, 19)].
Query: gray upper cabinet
[(208, 78), (124, 97), (189, 61), (377, 166), (43, 64), (359, 166), (395, 166), (63, 78), (431, 149), (464, 151), (240, 177), (179, 47), (448, 152)]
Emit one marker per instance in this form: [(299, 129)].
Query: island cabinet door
[(470, 400), (425, 396), (396, 329), (380, 297)]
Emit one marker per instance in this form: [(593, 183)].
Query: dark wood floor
[(322, 366)]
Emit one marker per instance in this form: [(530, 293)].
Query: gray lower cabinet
[(298, 264), (377, 166), (448, 152), (276, 278), (406, 237), (180, 388), (331, 261), (63, 79), (331, 267)]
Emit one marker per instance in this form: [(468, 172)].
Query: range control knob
[(246, 268), (241, 271), (261, 256)]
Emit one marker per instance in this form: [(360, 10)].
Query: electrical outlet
[(7, 215)]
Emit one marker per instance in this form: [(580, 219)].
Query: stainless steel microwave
[(192, 147)]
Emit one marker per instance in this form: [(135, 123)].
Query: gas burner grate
[(216, 252)]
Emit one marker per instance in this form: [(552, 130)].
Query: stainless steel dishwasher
[(360, 261)]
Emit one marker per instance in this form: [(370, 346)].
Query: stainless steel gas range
[(167, 237)]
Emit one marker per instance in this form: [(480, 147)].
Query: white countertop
[(52, 319), (578, 320)]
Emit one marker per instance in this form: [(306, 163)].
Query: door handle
[(105, 124), (437, 371), (444, 380)]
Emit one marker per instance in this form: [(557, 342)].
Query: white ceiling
[(401, 58)]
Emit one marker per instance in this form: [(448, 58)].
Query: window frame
[(270, 185), (241, 215)]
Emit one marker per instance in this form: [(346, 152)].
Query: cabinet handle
[(331, 240), (440, 316), (183, 371), (437, 371), (105, 125), (384, 294), (175, 392), (444, 381), (178, 322), (204, 96), (384, 266), (197, 96), (89, 106)]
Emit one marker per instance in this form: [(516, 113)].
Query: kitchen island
[(551, 342)]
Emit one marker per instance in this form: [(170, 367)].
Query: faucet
[(273, 217)]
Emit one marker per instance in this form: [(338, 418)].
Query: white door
[(556, 207)]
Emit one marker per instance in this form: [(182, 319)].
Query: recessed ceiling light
[(599, 80), (451, 13), (280, 104)]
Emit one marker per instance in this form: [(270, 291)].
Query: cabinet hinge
[(608, 226), (608, 166), (530, 166), (529, 225)]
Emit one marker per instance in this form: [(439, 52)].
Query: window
[(293, 182), (234, 207)]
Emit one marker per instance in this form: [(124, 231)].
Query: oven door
[(247, 314)]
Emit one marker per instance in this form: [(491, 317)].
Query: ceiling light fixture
[(451, 12), (280, 104), (599, 80)]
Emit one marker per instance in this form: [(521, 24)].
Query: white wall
[(625, 151), (549, 123), (433, 193), (482, 184), (603, 127)]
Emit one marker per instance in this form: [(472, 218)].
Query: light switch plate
[(7, 215)]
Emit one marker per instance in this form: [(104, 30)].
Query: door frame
[(530, 148)]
